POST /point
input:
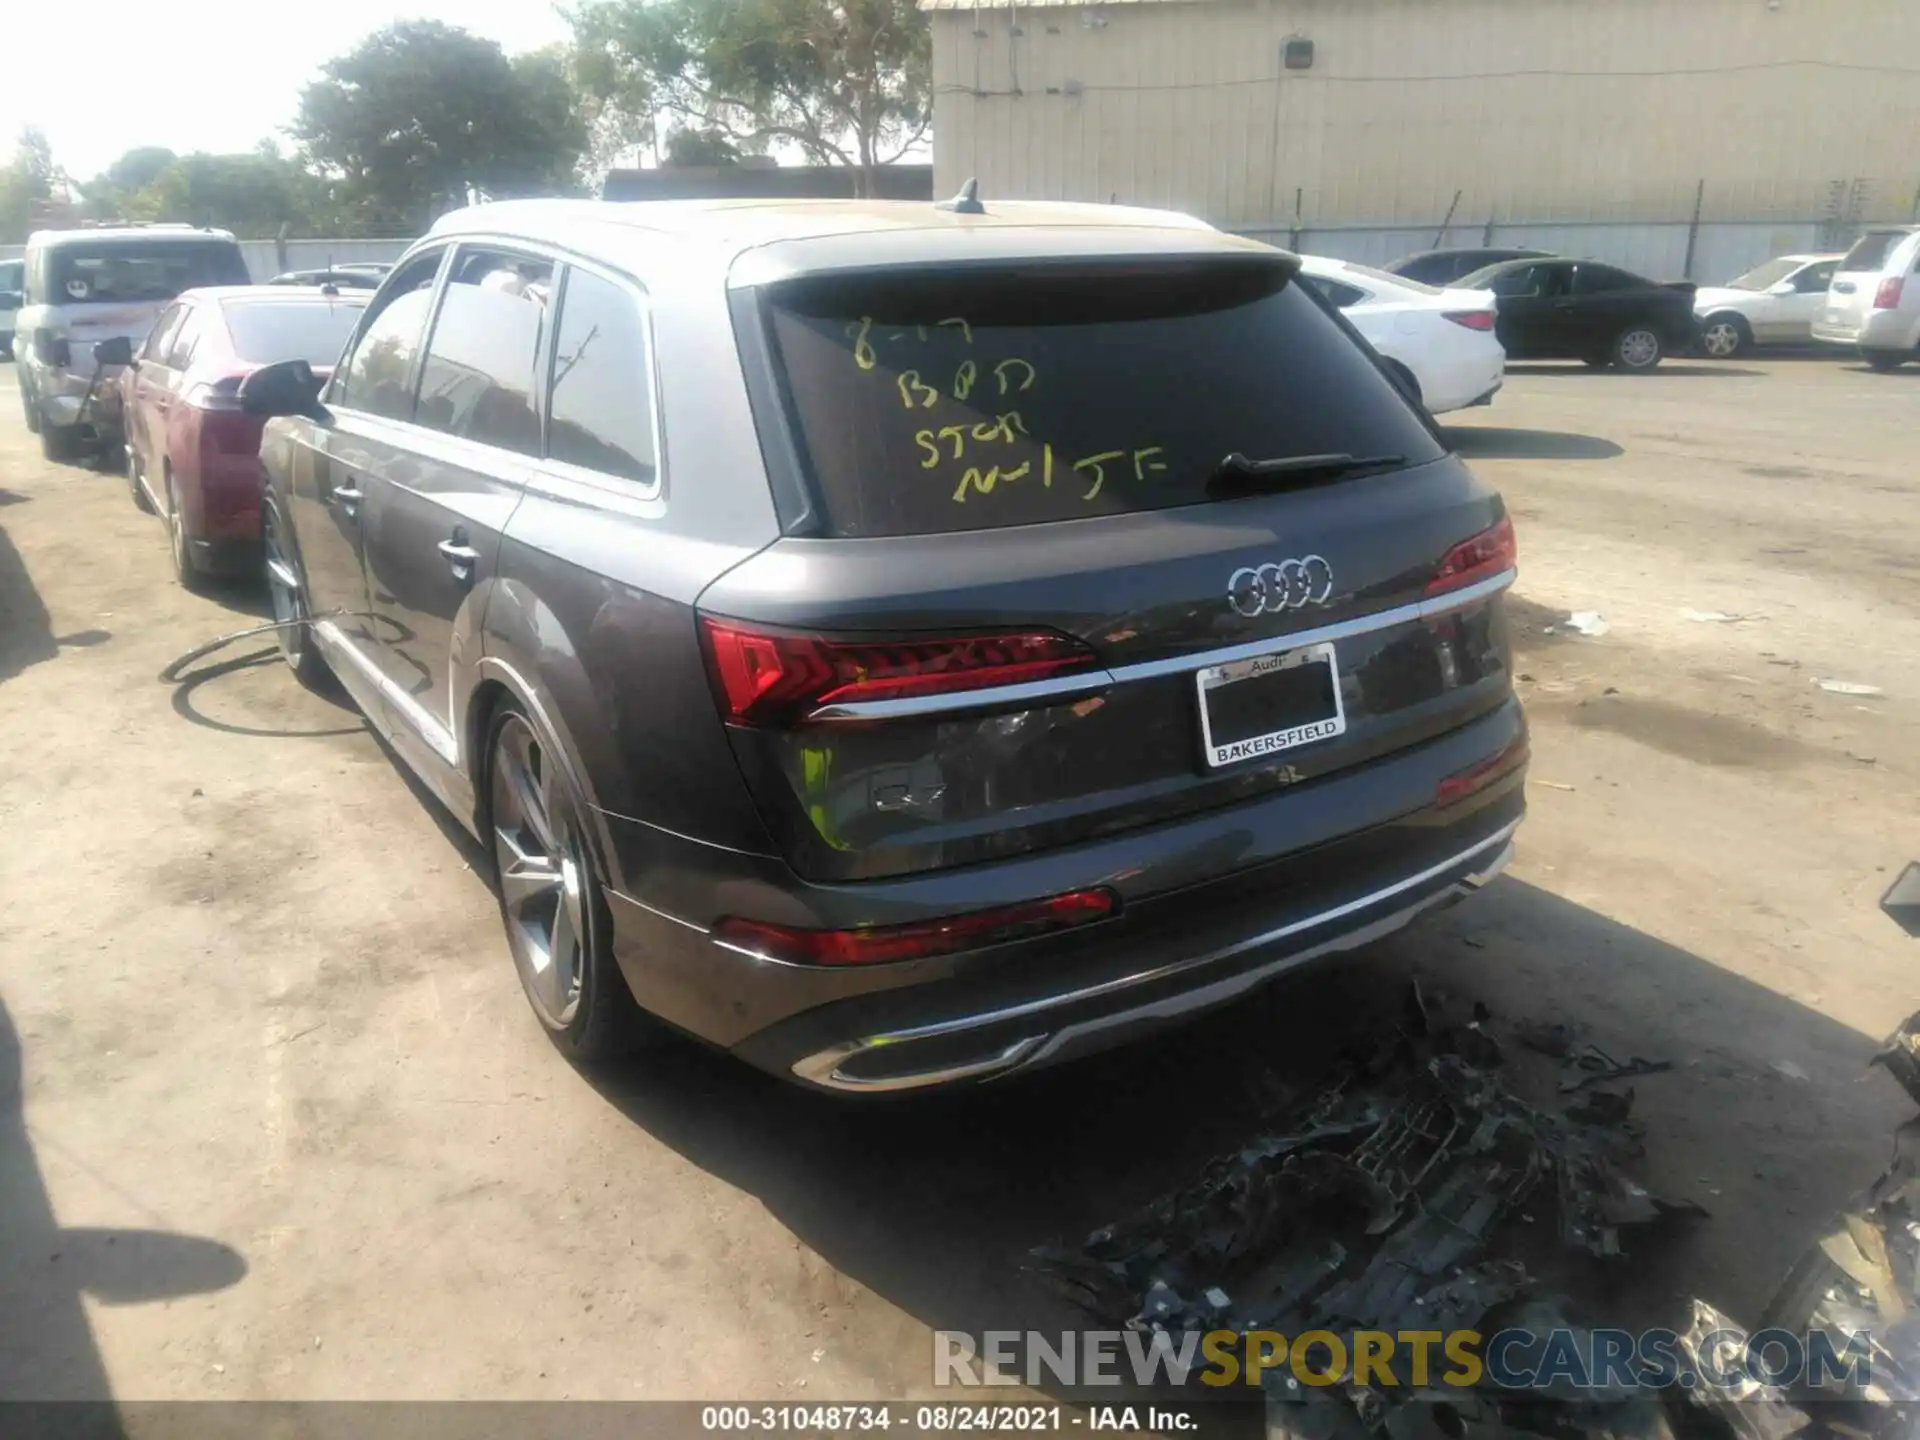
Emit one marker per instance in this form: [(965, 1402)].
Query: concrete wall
[(1567, 113)]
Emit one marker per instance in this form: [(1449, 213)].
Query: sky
[(114, 74)]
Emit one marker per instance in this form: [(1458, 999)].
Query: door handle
[(460, 556), (347, 498)]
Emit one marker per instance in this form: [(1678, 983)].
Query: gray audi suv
[(900, 644)]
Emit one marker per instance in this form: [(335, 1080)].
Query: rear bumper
[(1212, 906), (991, 1041), (1876, 330)]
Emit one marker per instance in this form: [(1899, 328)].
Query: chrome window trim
[(1085, 681), (557, 479), (822, 1067)]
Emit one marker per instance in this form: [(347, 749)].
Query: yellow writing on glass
[(861, 331), (913, 389), (966, 330), (924, 439), (974, 480), (963, 379), (1147, 462), (1098, 464), (1026, 370), (1001, 427)]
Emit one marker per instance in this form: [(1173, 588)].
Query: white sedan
[(1772, 304), (1440, 342)]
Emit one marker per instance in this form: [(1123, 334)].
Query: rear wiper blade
[(1240, 475)]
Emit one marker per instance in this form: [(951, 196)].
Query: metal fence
[(1658, 250)]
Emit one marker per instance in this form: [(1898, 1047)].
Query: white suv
[(1874, 302)]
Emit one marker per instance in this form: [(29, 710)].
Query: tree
[(28, 176), (686, 148), (418, 113), (849, 82)]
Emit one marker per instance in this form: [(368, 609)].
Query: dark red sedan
[(193, 454)]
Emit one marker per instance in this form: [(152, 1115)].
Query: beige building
[(1361, 119)]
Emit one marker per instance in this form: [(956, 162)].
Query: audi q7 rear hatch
[(1089, 546)]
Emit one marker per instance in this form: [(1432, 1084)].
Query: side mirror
[(117, 351), (1785, 287), (288, 387)]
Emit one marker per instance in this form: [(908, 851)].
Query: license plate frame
[(1291, 736)]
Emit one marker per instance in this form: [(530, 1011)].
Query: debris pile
[(1387, 1201)]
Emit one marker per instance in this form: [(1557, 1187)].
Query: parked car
[(1774, 303), (1583, 310), (1440, 343), (341, 277), (1874, 302), (895, 645), (12, 281), (1443, 267), (85, 286), (192, 452)]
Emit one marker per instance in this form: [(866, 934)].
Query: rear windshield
[(81, 274), (929, 403), (314, 331), (1871, 250)]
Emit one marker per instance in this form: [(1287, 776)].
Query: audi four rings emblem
[(1286, 585)]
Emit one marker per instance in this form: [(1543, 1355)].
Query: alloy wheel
[(542, 869), (287, 604), (1721, 339), (1638, 349), (177, 534)]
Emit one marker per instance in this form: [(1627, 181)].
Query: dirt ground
[(284, 1128)]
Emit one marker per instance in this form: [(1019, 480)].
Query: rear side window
[(1591, 279), (264, 332), (928, 402), (117, 272), (1872, 250), (601, 415), (478, 381), (1341, 296), (375, 376)]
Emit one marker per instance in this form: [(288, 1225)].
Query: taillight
[(1472, 319), (766, 677), (919, 939), (51, 349), (1489, 553), (1475, 778), (1887, 297)]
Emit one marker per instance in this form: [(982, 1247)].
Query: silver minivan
[(1874, 301), (85, 286)]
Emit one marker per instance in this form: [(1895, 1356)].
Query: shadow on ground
[(1483, 442), (934, 1202), (47, 1351), (26, 631)]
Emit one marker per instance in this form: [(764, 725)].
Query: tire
[(297, 647), (1637, 349), (1724, 336), (1885, 360), (29, 408), (141, 500), (186, 569), (550, 894), (59, 443)]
